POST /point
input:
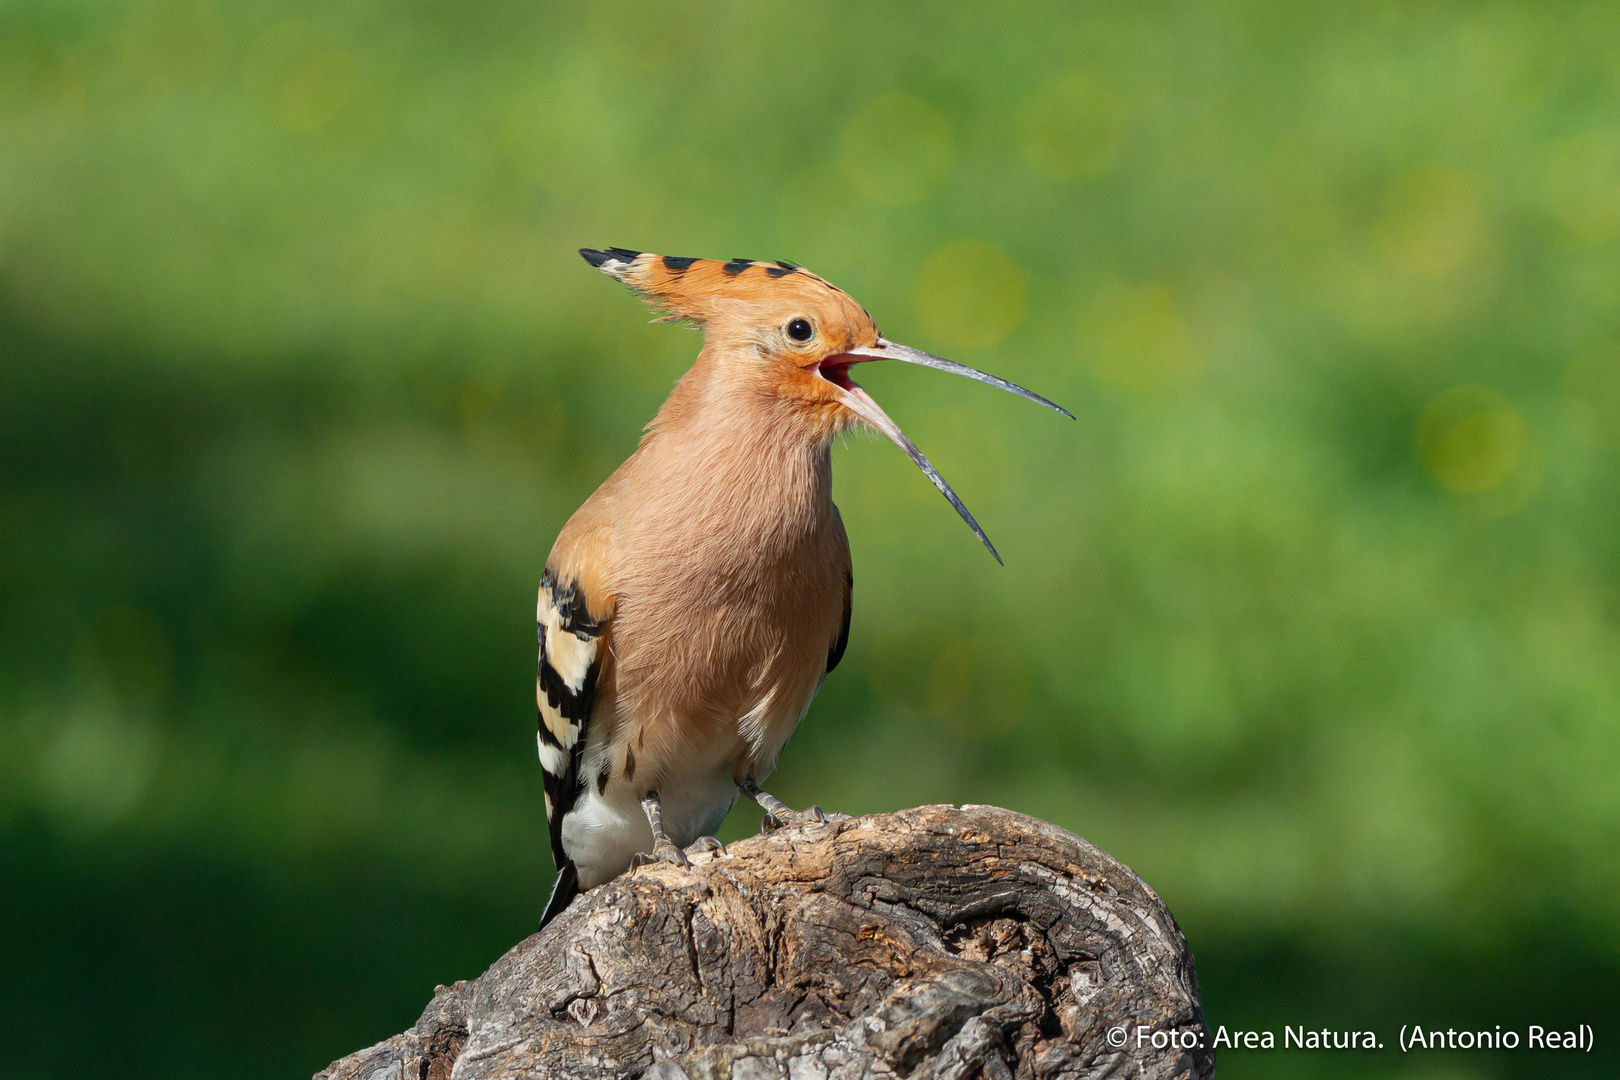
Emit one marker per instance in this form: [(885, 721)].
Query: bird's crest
[(687, 288)]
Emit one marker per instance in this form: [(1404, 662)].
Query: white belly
[(605, 829)]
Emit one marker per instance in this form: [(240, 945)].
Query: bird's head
[(794, 336)]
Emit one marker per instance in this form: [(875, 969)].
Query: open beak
[(835, 369)]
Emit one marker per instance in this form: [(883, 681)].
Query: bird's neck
[(734, 453)]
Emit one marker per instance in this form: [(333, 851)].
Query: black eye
[(800, 330)]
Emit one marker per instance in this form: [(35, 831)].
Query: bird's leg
[(777, 813), (664, 849)]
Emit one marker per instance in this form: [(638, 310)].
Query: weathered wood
[(937, 944)]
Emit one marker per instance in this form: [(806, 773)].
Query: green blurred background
[(1313, 618)]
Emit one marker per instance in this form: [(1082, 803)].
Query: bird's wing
[(836, 652), (571, 626)]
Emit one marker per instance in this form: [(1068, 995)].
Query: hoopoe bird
[(691, 608)]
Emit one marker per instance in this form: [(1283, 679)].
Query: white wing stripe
[(553, 760)]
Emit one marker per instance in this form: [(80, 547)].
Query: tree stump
[(935, 944)]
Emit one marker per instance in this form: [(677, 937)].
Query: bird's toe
[(708, 844), (810, 815), (823, 817), (667, 852)]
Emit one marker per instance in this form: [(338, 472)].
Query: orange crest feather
[(697, 289)]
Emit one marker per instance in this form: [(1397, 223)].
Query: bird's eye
[(800, 330)]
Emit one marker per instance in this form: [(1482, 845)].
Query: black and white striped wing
[(571, 658)]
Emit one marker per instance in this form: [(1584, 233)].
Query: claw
[(811, 815), (777, 813), (708, 844), (662, 852), (667, 852)]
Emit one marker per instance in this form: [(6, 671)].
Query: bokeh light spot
[(1432, 259), (896, 150), (1073, 128), (1137, 340), (1434, 227), (172, 42), (1591, 392), (1581, 184), (315, 90), (95, 771), (971, 295), (980, 687), (645, 36), (300, 75), (1471, 439), (950, 681)]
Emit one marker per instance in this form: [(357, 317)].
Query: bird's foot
[(664, 851), (778, 813), (810, 815), (708, 844)]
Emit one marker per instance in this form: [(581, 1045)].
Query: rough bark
[(935, 944)]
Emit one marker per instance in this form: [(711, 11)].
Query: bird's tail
[(562, 893)]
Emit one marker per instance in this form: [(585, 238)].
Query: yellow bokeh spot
[(300, 75), (1471, 439), (1591, 388), (314, 91), (971, 295), (1073, 128), (171, 42), (950, 680), (896, 150), (1432, 260), (1434, 227), (646, 36), (1138, 341), (1581, 184), (980, 687)]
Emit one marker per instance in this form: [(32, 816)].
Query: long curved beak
[(835, 370), (888, 350)]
